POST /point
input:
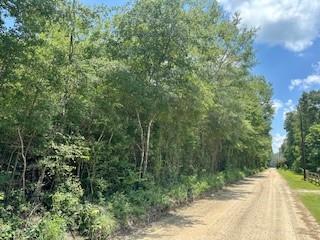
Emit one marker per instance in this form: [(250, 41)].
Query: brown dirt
[(261, 207)]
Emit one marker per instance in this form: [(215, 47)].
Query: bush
[(121, 207), (6, 230), (139, 204), (200, 187), (96, 223), (66, 201), (234, 175), (52, 227), (220, 180), (177, 195), (103, 226), (10, 223), (152, 197)]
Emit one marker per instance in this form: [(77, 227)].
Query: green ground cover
[(310, 200)]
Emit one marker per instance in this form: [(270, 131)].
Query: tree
[(102, 105), (313, 147), (300, 126)]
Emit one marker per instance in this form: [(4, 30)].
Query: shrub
[(6, 231), (234, 175), (154, 196), (200, 187), (220, 180), (177, 194), (103, 226), (10, 222), (121, 207), (96, 223), (66, 201), (52, 227)]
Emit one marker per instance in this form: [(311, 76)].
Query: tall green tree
[(303, 123), (102, 105)]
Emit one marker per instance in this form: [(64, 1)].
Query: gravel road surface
[(261, 207)]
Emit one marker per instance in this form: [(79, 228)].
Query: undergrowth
[(69, 212)]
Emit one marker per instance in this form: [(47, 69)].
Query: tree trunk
[(214, 156), (10, 159), (93, 175), (147, 147), (24, 158), (214, 159), (142, 146), (39, 184), (72, 32)]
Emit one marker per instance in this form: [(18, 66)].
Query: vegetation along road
[(112, 115), (258, 207)]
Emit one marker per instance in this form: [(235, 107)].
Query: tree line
[(301, 147), (100, 103)]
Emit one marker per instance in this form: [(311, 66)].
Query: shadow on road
[(235, 191), (172, 219)]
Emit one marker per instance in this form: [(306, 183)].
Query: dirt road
[(258, 208)]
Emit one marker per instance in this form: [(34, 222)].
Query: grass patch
[(296, 181), (310, 200)]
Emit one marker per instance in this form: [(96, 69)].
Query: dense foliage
[(108, 115), (303, 133)]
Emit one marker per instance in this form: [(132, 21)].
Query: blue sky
[(287, 47), (280, 66)]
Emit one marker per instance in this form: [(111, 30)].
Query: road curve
[(261, 207)]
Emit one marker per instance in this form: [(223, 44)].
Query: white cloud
[(277, 105), (308, 82), (305, 83), (283, 107), (277, 141), (294, 24), (289, 106)]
